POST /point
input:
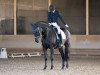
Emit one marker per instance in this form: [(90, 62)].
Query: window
[(73, 12), (30, 11), (6, 17), (94, 17)]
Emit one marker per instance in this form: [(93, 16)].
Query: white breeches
[(56, 25), (59, 30)]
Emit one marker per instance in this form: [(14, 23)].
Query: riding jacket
[(54, 16)]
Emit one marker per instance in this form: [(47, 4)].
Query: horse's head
[(36, 32), (40, 29)]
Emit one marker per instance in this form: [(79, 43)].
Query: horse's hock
[(81, 45)]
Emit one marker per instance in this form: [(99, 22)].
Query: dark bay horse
[(49, 41)]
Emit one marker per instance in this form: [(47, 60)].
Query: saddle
[(60, 36)]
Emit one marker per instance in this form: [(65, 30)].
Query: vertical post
[(15, 25), (87, 17), (49, 2)]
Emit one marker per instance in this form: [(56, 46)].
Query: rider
[(53, 16)]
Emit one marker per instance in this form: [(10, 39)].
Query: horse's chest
[(46, 43)]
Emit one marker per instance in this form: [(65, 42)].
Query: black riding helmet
[(51, 7)]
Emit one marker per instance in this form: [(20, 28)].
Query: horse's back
[(67, 33)]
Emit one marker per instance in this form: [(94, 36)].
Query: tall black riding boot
[(60, 38)]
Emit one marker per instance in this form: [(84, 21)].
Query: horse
[(48, 37)]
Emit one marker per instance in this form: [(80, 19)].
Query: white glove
[(66, 25), (49, 24)]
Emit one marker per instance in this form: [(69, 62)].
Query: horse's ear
[(46, 28), (31, 24)]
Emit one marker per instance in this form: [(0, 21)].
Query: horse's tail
[(69, 35)]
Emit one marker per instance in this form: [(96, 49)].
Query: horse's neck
[(51, 33), (47, 31), (44, 32)]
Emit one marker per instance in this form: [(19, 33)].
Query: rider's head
[(51, 7)]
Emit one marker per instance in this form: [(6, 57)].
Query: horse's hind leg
[(62, 56), (66, 53), (45, 57), (66, 56)]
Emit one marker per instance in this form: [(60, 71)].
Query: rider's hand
[(66, 25), (49, 24)]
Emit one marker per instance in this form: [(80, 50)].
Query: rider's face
[(51, 8)]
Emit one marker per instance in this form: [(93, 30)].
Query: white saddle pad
[(63, 35)]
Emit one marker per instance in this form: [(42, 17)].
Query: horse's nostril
[(36, 40)]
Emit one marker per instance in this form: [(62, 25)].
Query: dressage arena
[(34, 66), (84, 58), (25, 56)]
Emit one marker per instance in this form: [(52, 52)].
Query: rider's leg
[(58, 31), (60, 38)]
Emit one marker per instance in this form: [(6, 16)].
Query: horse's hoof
[(45, 68), (51, 67), (62, 68), (67, 66)]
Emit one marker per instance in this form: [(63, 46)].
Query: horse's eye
[(36, 32)]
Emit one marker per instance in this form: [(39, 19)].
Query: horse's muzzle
[(36, 40)]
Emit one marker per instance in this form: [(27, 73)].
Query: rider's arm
[(61, 19)]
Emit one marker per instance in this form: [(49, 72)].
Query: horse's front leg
[(45, 57), (52, 57)]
